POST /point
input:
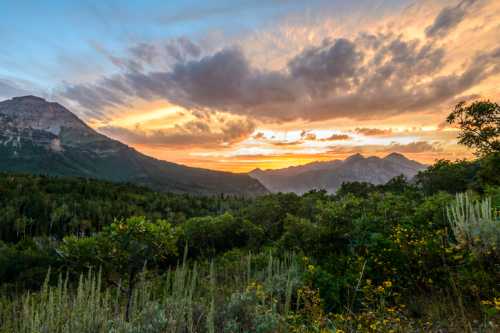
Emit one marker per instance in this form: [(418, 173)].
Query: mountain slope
[(45, 138), (331, 174)]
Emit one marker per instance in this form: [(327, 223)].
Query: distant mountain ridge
[(41, 137), (330, 175)]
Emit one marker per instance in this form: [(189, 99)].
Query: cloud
[(259, 136), (364, 77), (287, 143), (308, 136), (195, 133), (182, 48), (9, 89), (417, 147), (144, 55), (333, 63), (144, 52), (124, 63), (373, 131), (414, 147), (448, 18), (337, 137)]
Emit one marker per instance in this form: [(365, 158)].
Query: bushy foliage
[(402, 256)]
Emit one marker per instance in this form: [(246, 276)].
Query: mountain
[(330, 175), (40, 137)]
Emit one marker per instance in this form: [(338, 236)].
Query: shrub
[(474, 224)]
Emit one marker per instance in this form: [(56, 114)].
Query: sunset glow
[(234, 87)]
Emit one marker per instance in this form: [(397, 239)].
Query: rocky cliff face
[(31, 112), (33, 120), (40, 137)]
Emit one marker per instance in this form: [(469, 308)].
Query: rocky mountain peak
[(330, 175), (38, 136), (354, 158), (29, 99), (35, 113), (395, 156)]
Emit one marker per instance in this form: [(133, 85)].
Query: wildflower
[(380, 289), (387, 284)]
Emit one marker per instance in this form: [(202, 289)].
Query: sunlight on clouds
[(215, 133), (158, 118)]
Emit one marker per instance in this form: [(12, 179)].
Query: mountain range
[(41, 137), (330, 175)]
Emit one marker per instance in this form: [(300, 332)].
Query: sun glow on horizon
[(312, 82)]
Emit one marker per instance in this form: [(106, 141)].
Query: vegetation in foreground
[(88, 256)]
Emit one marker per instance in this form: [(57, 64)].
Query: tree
[(489, 171), (479, 124), (125, 247), (211, 235), (447, 176), (135, 241), (398, 184), (359, 189)]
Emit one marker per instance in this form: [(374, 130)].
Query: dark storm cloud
[(332, 65), (448, 18), (194, 133), (226, 81), (369, 76)]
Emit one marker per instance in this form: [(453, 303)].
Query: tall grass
[(474, 224), (200, 298)]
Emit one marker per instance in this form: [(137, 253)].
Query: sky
[(238, 85)]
